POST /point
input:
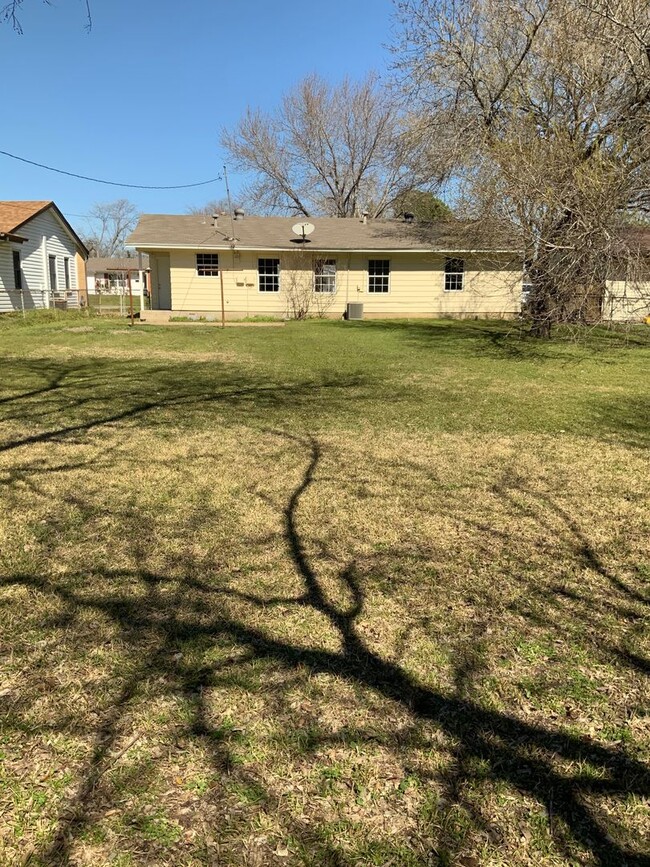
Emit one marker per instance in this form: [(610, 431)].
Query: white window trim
[(446, 273), (206, 276), (390, 274), (268, 291)]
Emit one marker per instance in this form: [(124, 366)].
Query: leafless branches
[(545, 108), (112, 222), (328, 150)]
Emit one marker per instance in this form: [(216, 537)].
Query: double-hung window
[(268, 272), (52, 267), (378, 275), (325, 275), (18, 274), (207, 264), (454, 273)]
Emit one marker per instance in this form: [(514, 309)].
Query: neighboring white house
[(42, 259), (111, 275)]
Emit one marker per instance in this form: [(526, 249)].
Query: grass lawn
[(329, 594)]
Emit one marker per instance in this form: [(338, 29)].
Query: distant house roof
[(99, 265), (165, 231), (14, 215)]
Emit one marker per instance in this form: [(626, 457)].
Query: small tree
[(307, 284)]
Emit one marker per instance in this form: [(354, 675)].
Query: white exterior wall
[(46, 236)]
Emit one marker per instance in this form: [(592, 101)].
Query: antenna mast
[(232, 222)]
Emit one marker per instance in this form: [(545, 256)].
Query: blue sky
[(143, 97)]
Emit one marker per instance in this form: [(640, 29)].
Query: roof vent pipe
[(239, 213), (215, 220), (409, 217), (364, 217)]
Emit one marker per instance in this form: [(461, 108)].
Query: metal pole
[(223, 305), (128, 277), (22, 300)]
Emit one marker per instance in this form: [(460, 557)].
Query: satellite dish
[(303, 229)]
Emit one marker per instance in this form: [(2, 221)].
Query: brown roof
[(331, 233), (99, 264), (14, 214)]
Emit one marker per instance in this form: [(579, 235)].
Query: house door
[(164, 285)]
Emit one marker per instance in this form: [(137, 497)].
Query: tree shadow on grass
[(536, 761), (511, 339)]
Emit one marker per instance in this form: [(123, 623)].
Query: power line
[(111, 183)]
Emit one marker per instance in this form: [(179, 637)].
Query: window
[(454, 272), (378, 275), (207, 264), (52, 262), (268, 271), (18, 274), (66, 271), (325, 275)]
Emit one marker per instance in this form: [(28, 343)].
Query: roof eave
[(144, 246)]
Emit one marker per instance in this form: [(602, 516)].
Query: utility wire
[(111, 183)]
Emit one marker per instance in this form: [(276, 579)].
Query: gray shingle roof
[(97, 264), (331, 233)]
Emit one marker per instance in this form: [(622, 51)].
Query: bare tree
[(111, 222), (326, 150), (539, 110)]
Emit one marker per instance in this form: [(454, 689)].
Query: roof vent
[(215, 219), (239, 213), (409, 217), (364, 216)]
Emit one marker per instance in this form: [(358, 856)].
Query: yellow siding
[(492, 285), (626, 301)]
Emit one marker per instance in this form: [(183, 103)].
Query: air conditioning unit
[(354, 311)]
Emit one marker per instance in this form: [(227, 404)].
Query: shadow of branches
[(168, 615)]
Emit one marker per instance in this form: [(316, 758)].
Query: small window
[(268, 271), (207, 264), (325, 275), (18, 274), (378, 275), (52, 263), (66, 271), (454, 273)]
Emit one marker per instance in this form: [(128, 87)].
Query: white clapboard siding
[(46, 236)]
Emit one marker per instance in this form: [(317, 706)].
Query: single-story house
[(111, 275), (42, 259), (269, 266)]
